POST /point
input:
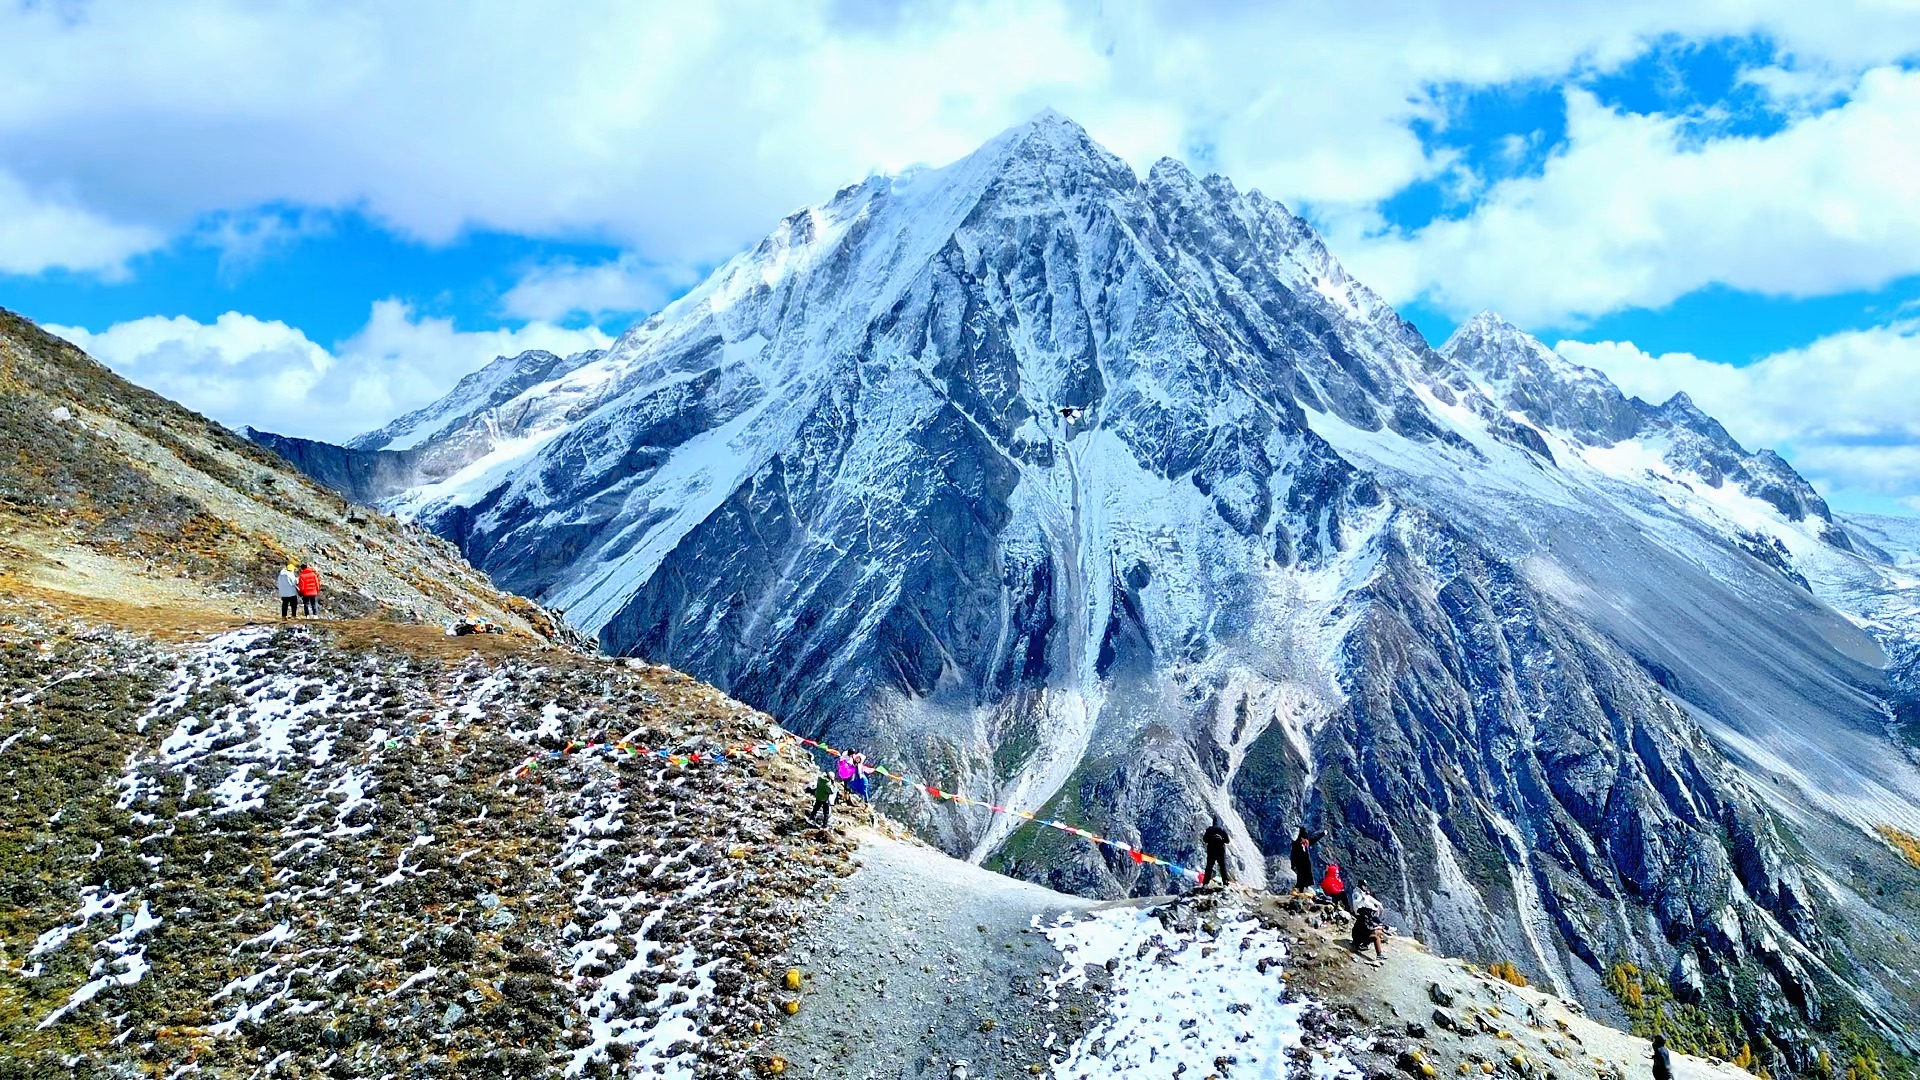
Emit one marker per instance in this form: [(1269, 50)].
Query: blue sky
[(313, 218)]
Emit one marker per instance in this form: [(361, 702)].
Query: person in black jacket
[(1302, 856), (1216, 840), (1662, 1059)]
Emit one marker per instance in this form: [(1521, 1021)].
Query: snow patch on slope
[(1182, 998)]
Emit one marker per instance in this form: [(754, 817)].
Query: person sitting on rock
[(1336, 888), (1302, 857), (1368, 930), (1216, 839), (822, 800)]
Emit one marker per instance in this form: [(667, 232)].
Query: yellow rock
[(776, 1065), (737, 853), (793, 978), (790, 1006), (1486, 1066)]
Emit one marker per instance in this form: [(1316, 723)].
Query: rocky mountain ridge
[(1117, 495)]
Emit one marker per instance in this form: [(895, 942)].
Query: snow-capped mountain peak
[(1120, 497), (1522, 375)]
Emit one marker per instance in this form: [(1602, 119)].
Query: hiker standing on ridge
[(822, 800), (1302, 857), (289, 583), (308, 583), (1216, 840), (858, 785)]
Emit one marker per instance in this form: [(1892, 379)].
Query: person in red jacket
[(1336, 887), (309, 585)]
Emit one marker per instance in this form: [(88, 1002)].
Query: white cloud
[(625, 286), (1845, 409), (685, 130), (241, 370), (40, 233), (246, 237), (1635, 212)]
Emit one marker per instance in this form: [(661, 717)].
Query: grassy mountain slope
[(111, 491)]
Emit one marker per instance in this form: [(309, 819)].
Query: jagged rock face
[(1119, 495)]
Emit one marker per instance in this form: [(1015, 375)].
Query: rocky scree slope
[(277, 852), (112, 491), (1117, 494)]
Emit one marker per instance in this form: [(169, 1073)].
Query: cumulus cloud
[(685, 130), (39, 232), (1635, 211), (246, 371), (624, 286), (1845, 409)]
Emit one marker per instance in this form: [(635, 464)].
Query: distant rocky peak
[(503, 379), (1052, 129), (1520, 374), (1680, 410), (1498, 350), (1049, 152)]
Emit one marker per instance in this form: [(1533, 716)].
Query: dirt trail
[(921, 961)]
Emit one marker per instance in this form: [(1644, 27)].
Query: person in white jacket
[(289, 591)]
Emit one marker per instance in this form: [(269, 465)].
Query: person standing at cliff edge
[(1302, 857), (1216, 839)]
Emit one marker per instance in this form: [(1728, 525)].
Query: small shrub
[(1505, 970)]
